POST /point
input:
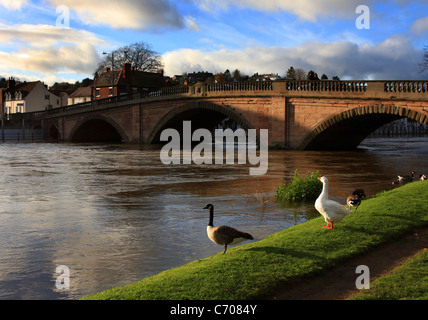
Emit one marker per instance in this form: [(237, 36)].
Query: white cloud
[(192, 25), (140, 14), (81, 58), (48, 51), (394, 58), (420, 27), (45, 35), (13, 4), (305, 9)]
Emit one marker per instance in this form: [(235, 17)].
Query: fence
[(21, 135)]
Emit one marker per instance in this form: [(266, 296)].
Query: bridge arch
[(347, 129), (207, 114), (98, 128), (53, 132)]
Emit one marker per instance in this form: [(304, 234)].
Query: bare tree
[(424, 65), (139, 55), (300, 74)]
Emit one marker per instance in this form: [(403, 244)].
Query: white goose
[(332, 211)]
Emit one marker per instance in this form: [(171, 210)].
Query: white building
[(28, 97), (82, 94)]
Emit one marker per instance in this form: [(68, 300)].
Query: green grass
[(407, 282), (256, 269)]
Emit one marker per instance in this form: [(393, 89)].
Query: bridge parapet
[(406, 86), (407, 90), (327, 86), (403, 90), (390, 90)]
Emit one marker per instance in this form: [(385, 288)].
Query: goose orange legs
[(329, 225)]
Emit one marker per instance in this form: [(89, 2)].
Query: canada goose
[(332, 211), (422, 177), (354, 200), (224, 235), (405, 179)]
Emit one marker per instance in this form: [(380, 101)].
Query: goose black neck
[(211, 221)]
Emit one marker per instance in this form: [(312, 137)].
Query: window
[(110, 91), (97, 92)]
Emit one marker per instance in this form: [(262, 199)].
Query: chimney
[(127, 70), (160, 71), (11, 83)]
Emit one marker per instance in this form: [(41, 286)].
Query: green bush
[(299, 189)]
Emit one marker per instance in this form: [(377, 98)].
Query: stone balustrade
[(327, 86), (406, 86)]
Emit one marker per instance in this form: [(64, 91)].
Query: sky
[(64, 40)]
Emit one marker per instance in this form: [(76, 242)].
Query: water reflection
[(115, 214)]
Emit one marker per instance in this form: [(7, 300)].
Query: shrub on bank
[(298, 189)]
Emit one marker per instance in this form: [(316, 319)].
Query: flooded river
[(114, 214)]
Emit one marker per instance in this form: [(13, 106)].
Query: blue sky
[(265, 36)]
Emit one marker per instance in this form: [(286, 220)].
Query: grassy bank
[(407, 282), (254, 270)]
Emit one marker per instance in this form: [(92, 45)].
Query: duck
[(332, 211), (354, 200), (406, 179), (224, 235), (359, 192), (423, 177)]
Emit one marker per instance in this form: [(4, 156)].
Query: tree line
[(300, 74)]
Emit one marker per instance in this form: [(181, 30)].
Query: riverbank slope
[(258, 270)]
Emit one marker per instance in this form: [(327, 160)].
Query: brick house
[(125, 81), (199, 77)]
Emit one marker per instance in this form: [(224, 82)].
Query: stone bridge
[(315, 115)]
